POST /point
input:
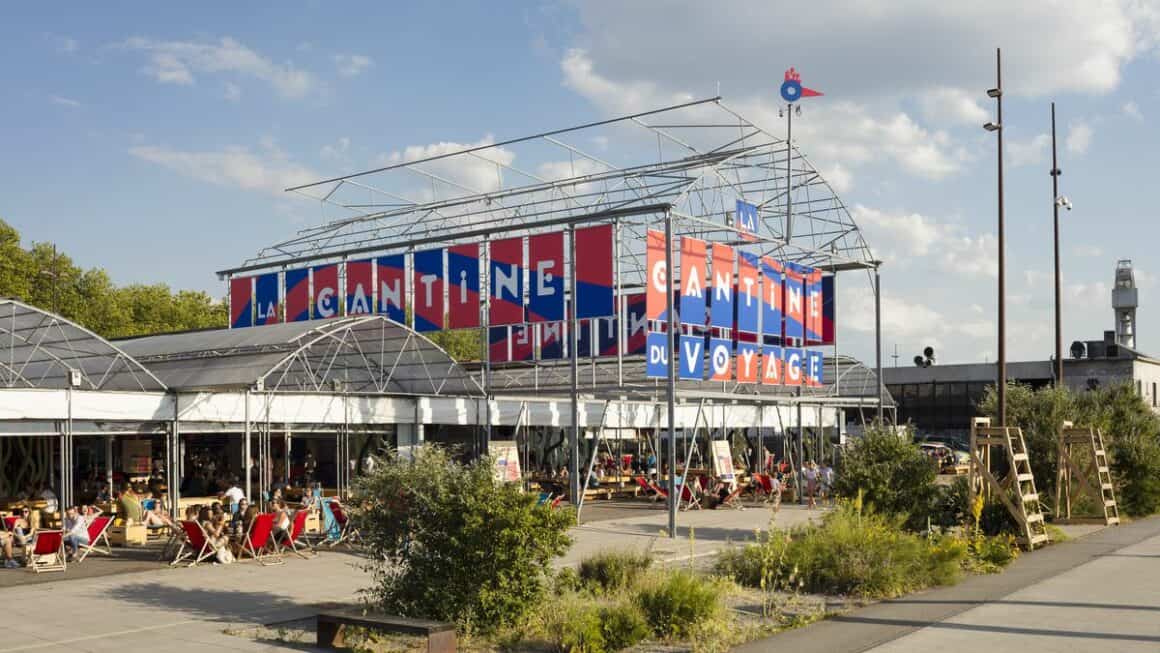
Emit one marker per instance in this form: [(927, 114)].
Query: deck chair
[(646, 487), (195, 546), (544, 499), (98, 531), (259, 539), (347, 530), (689, 500), (762, 487), (734, 498), (296, 528), (47, 552)]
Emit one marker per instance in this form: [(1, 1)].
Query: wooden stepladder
[(1073, 439), (986, 441)]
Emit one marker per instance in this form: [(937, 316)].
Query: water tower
[(1124, 304)]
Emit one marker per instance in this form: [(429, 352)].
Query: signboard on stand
[(506, 455), (723, 461)]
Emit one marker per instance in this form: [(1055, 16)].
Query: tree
[(891, 472)]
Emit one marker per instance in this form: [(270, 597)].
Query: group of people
[(819, 483), (19, 532)]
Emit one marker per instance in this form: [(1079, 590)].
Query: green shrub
[(608, 572), (447, 541), (1136, 461), (575, 627), (623, 625), (891, 473), (991, 554), (675, 603), (566, 580), (744, 564)]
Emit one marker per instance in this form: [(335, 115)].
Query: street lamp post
[(1056, 201), (997, 94)]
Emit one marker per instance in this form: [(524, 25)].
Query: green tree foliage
[(448, 541), (1131, 432), (49, 279), (892, 474)]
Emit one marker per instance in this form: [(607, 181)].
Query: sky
[(156, 142)]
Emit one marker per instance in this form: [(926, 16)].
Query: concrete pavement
[(1100, 592)]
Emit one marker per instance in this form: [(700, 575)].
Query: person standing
[(810, 476)]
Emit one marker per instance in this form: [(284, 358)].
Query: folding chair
[(544, 499), (647, 487), (762, 487), (296, 528), (734, 498), (47, 552), (98, 530), (258, 540), (196, 542), (347, 531), (688, 498)]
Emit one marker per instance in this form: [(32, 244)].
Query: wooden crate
[(133, 535)]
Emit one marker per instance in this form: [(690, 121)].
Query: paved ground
[(185, 609), (1100, 592)]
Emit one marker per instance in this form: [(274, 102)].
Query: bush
[(608, 572), (991, 554), (675, 604), (576, 627), (566, 580), (892, 475), (623, 625), (1136, 463), (449, 542)]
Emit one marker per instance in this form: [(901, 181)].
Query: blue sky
[(155, 142)]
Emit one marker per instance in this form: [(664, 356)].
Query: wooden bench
[(440, 635)]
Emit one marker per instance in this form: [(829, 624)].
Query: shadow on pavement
[(1041, 632), (1045, 604), (204, 603)]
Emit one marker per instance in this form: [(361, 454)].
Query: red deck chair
[(258, 540), (196, 545), (688, 499), (348, 532), (734, 498), (10, 524), (47, 552), (762, 487), (98, 530), (648, 488), (296, 528)]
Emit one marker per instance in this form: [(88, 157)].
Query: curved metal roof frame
[(41, 350), (362, 354)]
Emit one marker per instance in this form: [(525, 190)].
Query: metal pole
[(1055, 172), (246, 448), (788, 173), (1002, 256), (621, 325), (486, 269), (574, 376), (671, 374), (878, 338)]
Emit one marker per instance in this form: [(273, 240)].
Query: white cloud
[(952, 105), (1028, 152), (177, 62), (1132, 110), (352, 65), (1079, 137), (1087, 251), (905, 319), (233, 166), (338, 150), (232, 92), (66, 45), (1085, 296), (902, 237), (476, 174), (838, 177), (64, 101), (1032, 278)]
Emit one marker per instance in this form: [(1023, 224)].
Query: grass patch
[(609, 572)]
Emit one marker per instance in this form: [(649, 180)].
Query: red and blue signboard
[(748, 294), (637, 315), (693, 269), (607, 336), (497, 344), (297, 294), (463, 286), (657, 356), (794, 365), (507, 281), (325, 296), (794, 304), (692, 357), (746, 220), (657, 276), (241, 302), (392, 273), (771, 371), (813, 307), (594, 272), (427, 280), (828, 310), (522, 348), (814, 364), (584, 338), (360, 287), (721, 310), (546, 269), (771, 291), (792, 89), (266, 289), (551, 340), (748, 362), (720, 359)]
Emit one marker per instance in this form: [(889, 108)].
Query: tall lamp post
[(997, 127), (1057, 201)]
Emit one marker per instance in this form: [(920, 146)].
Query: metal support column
[(246, 449), (878, 338), (574, 375), (671, 375)]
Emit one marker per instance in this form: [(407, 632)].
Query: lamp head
[(992, 126), (995, 92), (1064, 202)]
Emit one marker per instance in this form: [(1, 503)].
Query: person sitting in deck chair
[(76, 532), (6, 540), (129, 506)]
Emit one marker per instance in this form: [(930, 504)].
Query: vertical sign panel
[(507, 281), (746, 221), (266, 302), (771, 365), (241, 302), (720, 359), (551, 340), (828, 325), (325, 300), (748, 294), (392, 271), (463, 286), (794, 304), (692, 279), (498, 345), (657, 357), (748, 362), (297, 295), (521, 343), (607, 342), (793, 366), (637, 314), (692, 357), (657, 276), (771, 293), (546, 269), (360, 287), (813, 307), (814, 363), (428, 289), (583, 338), (594, 272), (721, 312)]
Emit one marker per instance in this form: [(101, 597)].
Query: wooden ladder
[(1026, 509), (1103, 493)]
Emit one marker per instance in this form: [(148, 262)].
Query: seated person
[(129, 507), (593, 479), (76, 531), (22, 530), (238, 525), (6, 545), (282, 521)]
